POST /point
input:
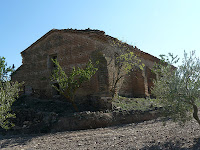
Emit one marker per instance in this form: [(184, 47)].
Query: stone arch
[(150, 77), (134, 84), (102, 73)]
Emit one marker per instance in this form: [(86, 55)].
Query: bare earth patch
[(146, 135)]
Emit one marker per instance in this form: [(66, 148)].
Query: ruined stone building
[(75, 48)]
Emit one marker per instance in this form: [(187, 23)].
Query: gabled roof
[(61, 31), (97, 35)]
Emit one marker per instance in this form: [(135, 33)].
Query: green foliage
[(125, 62), (178, 89), (8, 94), (68, 84), (4, 70), (127, 104)]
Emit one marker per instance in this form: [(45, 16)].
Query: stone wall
[(74, 48), (71, 49), (134, 85)]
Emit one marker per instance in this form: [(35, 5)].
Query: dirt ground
[(146, 135)]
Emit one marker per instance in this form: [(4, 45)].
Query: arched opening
[(102, 73)]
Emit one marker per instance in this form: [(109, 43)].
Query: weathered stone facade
[(75, 48)]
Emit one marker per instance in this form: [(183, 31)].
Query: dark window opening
[(54, 58), (51, 64)]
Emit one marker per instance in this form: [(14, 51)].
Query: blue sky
[(155, 26)]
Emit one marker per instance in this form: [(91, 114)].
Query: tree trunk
[(73, 103), (195, 113), (114, 88), (71, 99), (75, 107)]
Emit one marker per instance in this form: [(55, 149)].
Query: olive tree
[(8, 94), (68, 84), (4, 70), (178, 89)]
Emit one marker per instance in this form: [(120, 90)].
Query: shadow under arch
[(102, 73)]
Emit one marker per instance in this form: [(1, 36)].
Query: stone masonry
[(74, 48)]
